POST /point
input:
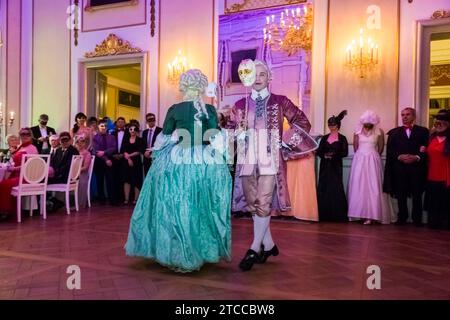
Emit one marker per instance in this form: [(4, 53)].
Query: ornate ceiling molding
[(440, 75), (440, 14), (112, 46), (257, 4)]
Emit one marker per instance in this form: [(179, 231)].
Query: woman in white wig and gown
[(366, 199), (182, 217)]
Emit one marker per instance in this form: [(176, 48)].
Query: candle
[(306, 10), (376, 54), (287, 13), (371, 52), (292, 12), (273, 18), (11, 115), (267, 19), (298, 11)]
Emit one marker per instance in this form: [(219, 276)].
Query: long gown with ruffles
[(182, 217)]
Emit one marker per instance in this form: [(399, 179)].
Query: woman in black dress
[(132, 172), (331, 196)]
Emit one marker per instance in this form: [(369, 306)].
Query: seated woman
[(13, 142), (182, 217), (7, 201)]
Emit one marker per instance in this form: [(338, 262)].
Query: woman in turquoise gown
[(182, 217)]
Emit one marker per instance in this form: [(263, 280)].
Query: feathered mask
[(336, 120)]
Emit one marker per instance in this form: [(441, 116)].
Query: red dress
[(7, 201)]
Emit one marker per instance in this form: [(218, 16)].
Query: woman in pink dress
[(7, 201), (81, 130), (365, 188)]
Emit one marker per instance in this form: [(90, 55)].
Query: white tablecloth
[(3, 171)]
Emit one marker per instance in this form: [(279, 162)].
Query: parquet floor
[(316, 261)]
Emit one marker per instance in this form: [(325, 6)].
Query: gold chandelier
[(292, 32), (362, 55)]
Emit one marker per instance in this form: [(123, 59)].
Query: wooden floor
[(316, 261)]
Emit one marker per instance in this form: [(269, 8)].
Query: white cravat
[(264, 93)]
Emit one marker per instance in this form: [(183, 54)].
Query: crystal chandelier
[(292, 32), (362, 55)]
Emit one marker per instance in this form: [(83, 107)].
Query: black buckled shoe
[(266, 254), (251, 257)]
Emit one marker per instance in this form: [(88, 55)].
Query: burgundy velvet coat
[(278, 107)]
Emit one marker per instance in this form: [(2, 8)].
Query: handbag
[(297, 143)]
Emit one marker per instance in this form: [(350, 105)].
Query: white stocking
[(267, 240), (260, 225)]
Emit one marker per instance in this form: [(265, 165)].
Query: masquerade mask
[(211, 90), (247, 72)]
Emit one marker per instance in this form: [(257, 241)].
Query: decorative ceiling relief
[(440, 75), (112, 46), (440, 14), (233, 6)]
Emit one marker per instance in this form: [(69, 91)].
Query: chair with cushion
[(33, 181), (72, 182)]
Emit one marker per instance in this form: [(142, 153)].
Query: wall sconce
[(1, 116), (176, 68), (1, 39), (362, 56)]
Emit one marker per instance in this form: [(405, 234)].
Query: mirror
[(242, 36)]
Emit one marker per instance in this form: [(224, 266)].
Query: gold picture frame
[(127, 3)]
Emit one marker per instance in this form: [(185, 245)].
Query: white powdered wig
[(193, 84), (262, 63)]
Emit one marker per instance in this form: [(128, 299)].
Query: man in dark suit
[(122, 135), (406, 165), (41, 133), (149, 136), (61, 161)]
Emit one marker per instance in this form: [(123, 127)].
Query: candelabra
[(362, 57), (292, 32), (176, 68)]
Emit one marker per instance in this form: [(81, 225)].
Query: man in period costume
[(260, 182)]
